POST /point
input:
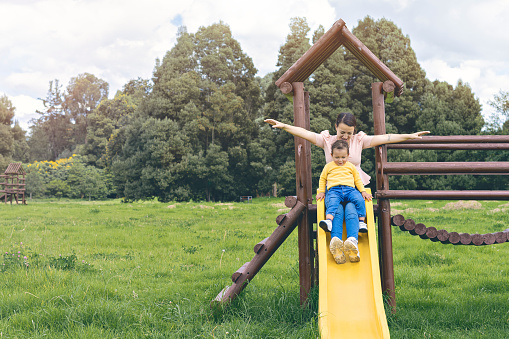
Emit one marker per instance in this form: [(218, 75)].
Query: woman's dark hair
[(340, 144), (346, 118)]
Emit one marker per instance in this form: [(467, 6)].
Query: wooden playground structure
[(303, 213), (12, 184)]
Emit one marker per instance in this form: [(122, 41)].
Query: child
[(342, 177)]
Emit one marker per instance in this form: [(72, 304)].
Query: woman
[(345, 128)]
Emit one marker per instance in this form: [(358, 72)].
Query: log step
[(240, 271), (257, 248)]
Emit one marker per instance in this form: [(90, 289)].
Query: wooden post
[(303, 183), (384, 208)]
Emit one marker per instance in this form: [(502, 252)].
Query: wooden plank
[(331, 37), (433, 168), (303, 189), (443, 195), (479, 146), (467, 139)]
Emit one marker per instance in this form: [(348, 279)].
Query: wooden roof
[(336, 36), (15, 168)]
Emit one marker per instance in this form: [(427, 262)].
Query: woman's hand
[(417, 135), (320, 196), (274, 123), (395, 138), (296, 131)]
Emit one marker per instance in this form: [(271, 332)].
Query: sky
[(120, 40)]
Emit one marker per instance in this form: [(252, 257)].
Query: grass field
[(149, 270)]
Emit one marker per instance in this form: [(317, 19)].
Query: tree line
[(195, 129)]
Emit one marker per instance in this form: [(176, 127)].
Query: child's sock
[(363, 227), (326, 225)]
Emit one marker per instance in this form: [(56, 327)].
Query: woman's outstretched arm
[(296, 131), (395, 138)]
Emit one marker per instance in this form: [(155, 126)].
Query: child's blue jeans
[(351, 213)]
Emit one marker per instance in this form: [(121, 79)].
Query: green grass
[(113, 270), (446, 291)]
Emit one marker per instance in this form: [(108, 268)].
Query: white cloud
[(26, 108), (118, 40)]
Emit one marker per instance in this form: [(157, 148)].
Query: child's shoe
[(363, 227), (336, 249), (326, 225), (352, 250)]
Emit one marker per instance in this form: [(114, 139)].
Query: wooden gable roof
[(336, 36), (15, 168)]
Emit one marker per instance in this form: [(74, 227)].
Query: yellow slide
[(350, 294)]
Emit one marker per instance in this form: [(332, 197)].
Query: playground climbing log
[(455, 238)]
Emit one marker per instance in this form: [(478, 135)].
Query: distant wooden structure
[(12, 184)]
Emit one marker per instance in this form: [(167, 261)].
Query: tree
[(278, 107), (7, 110), (500, 103), (35, 184), (450, 111), (202, 110), (84, 93), (108, 117), (51, 132), (6, 136), (21, 150), (149, 163)]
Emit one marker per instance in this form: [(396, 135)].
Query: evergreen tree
[(21, 150), (6, 136), (106, 119), (205, 94), (51, 132), (278, 107), (84, 93)]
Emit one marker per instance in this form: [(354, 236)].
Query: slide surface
[(350, 294)]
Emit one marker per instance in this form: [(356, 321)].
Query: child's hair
[(340, 144)]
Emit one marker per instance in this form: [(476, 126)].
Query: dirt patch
[(413, 210), (171, 206), (398, 204), (281, 204), (283, 210), (504, 205), (204, 206), (496, 210), (224, 204), (463, 205)]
